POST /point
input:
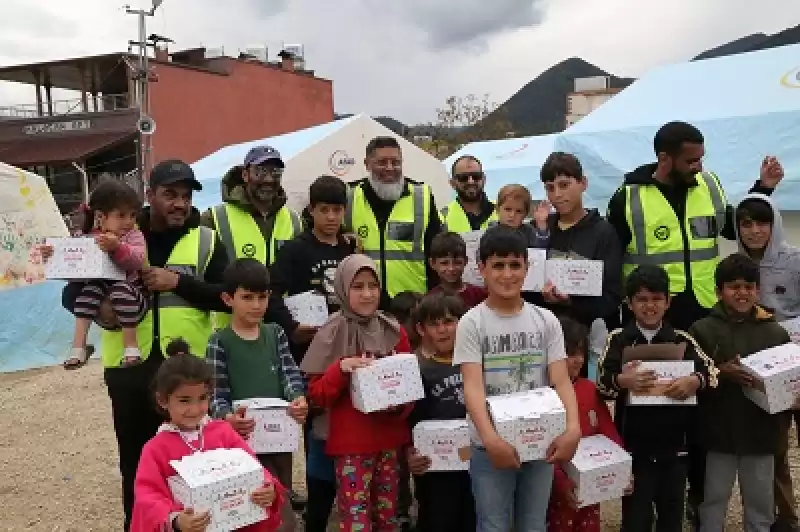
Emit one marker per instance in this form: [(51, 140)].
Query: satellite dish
[(146, 125)]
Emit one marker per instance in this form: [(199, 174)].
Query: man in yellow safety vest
[(471, 210), (254, 221), (671, 213), (184, 276), (395, 219)]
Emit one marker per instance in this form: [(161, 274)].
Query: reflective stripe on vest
[(242, 237), (403, 253), (176, 317), (455, 219), (657, 239)]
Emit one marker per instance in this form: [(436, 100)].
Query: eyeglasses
[(260, 172), (466, 176)]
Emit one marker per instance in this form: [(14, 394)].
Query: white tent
[(336, 148)]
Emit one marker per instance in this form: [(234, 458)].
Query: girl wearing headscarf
[(364, 447)]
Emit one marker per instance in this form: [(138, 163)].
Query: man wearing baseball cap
[(184, 275)]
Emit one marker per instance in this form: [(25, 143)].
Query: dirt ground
[(58, 469)]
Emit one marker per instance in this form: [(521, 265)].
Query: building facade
[(198, 103)]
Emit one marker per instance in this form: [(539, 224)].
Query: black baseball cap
[(173, 171), (261, 154)]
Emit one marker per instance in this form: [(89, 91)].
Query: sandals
[(132, 357), (78, 357)]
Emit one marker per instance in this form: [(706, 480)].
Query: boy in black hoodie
[(654, 435), (579, 233), (309, 261)]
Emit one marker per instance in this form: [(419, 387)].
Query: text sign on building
[(57, 127)]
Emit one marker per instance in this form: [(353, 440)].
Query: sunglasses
[(466, 176)]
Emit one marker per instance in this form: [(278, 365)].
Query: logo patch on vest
[(661, 233), (249, 250), (363, 231)]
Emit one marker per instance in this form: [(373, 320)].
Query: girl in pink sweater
[(110, 218), (183, 386)]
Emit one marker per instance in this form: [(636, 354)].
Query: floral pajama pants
[(561, 517), (367, 490)]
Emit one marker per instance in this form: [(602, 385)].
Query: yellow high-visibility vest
[(400, 248), (243, 238), (455, 219), (176, 317), (657, 235)]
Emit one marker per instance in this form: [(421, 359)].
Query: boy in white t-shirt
[(506, 345)]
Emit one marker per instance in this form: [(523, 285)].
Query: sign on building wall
[(57, 127)]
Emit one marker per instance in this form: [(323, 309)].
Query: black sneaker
[(298, 501)]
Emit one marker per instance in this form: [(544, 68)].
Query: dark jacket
[(652, 431), (730, 422), (232, 190), (592, 238), (684, 309), (303, 264), (382, 209)]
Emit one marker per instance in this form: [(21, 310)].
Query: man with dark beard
[(395, 219), (471, 210), (254, 222), (671, 213)]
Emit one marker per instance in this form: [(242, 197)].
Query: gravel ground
[(58, 468)]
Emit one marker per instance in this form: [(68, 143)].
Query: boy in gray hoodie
[(759, 231)]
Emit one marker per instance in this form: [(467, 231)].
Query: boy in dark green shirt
[(251, 359)]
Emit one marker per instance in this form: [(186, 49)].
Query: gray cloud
[(454, 23), (20, 16)]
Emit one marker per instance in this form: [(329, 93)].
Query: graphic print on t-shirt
[(322, 274), (512, 362)]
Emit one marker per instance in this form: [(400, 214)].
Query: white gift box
[(275, 430), (576, 277), (793, 328), (79, 259), (666, 371), (220, 482), (446, 443), (537, 270), (389, 381), (529, 420), (308, 308), (778, 377), (471, 275), (600, 469)]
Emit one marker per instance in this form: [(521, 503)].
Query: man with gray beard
[(395, 219)]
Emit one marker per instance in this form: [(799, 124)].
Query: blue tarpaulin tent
[(746, 105)]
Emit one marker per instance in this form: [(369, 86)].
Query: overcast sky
[(403, 57)]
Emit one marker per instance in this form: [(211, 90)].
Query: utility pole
[(142, 80)]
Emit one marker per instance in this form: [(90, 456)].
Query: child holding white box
[(364, 446), (251, 359), (505, 345), (444, 498), (110, 217), (741, 438), (563, 514), (654, 435), (182, 386)]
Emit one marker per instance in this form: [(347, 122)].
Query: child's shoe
[(78, 357), (132, 357)]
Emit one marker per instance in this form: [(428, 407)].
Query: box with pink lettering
[(387, 382), (600, 469)]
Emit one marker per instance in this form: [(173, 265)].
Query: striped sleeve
[(294, 383), (221, 391), (704, 365)]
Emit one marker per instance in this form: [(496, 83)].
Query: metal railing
[(105, 103)]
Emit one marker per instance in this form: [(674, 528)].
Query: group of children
[(472, 342)]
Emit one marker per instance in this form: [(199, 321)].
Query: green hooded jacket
[(731, 423)]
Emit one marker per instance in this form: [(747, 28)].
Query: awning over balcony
[(58, 150)]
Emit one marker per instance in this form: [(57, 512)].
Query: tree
[(465, 119)]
